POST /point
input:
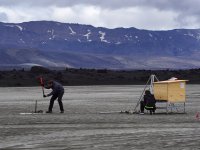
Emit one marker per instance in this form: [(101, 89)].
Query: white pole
[(153, 78)]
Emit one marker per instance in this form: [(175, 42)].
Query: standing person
[(57, 92), (149, 103)]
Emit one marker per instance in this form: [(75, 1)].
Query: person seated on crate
[(149, 103)]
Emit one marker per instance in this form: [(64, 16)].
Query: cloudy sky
[(142, 14)]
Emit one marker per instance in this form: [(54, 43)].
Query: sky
[(141, 14)]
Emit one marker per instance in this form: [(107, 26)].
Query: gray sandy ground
[(91, 121)]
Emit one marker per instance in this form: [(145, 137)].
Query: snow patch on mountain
[(22, 41), (72, 31), (58, 23), (18, 26), (150, 35), (52, 34), (87, 35), (9, 25), (102, 37), (190, 34), (128, 37), (198, 36), (118, 43)]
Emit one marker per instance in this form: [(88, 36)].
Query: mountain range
[(55, 44)]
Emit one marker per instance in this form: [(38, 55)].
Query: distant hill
[(54, 44)]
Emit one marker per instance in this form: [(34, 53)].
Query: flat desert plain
[(92, 120)]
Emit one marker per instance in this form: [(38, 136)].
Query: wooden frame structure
[(172, 92)]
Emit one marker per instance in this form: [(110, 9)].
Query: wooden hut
[(170, 91)]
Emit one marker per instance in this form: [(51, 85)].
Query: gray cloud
[(191, 5), (148, 14), (3, 17)]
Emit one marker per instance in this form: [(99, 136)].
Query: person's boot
[(141, 113), (150, 112), (62, 111), (153, 111), (49, 112)]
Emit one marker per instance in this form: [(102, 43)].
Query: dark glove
[(44, 96)]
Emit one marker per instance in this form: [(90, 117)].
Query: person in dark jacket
[(57, 92), (149, 103)]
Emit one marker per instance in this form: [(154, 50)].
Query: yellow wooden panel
[(160, 91), (176, 92)]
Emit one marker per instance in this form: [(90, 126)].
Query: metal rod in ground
[(36, 106), (138, 102)]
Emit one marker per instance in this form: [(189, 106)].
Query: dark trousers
[(53, 98), (142, 106)]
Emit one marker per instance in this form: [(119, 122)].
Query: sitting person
[(149, 103)]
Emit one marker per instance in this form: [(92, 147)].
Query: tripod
[(149, 85)]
